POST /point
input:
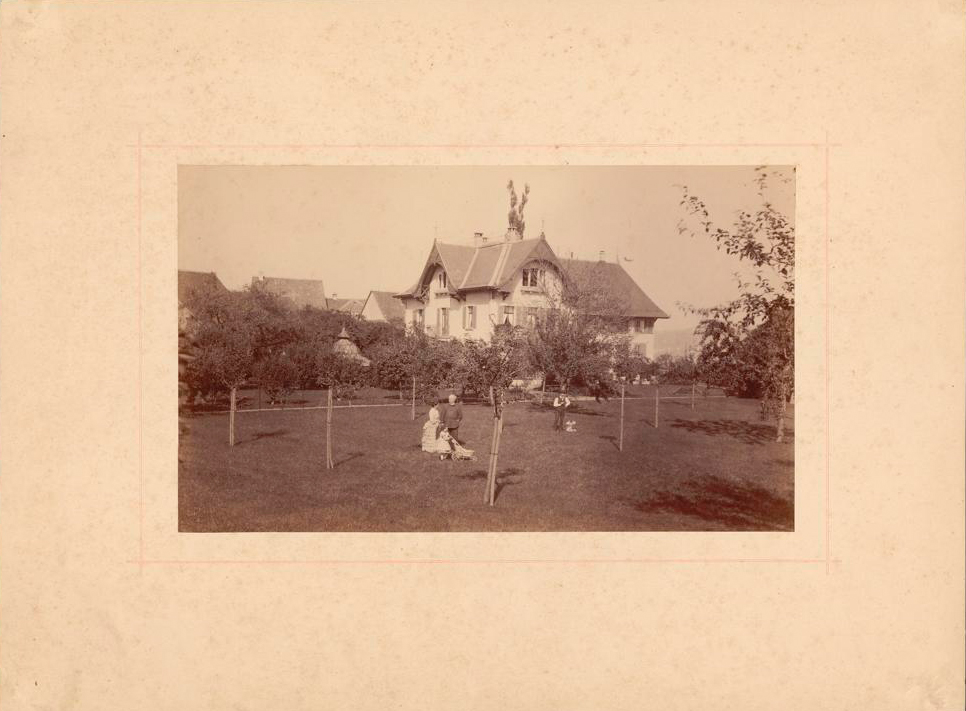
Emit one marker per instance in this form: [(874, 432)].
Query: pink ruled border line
[(826, 145)]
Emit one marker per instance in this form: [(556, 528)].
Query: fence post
[(231, 420), (414, 399), (657, 400), (328, 431)]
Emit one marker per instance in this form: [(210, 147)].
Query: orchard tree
[(576, 337), (752, 338)]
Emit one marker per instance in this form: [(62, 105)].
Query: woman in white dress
[(430, 441)]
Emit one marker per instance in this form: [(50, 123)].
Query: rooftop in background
[(189, 281), (349, 306), (301, 292)]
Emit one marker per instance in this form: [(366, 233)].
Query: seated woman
[(431, 432)]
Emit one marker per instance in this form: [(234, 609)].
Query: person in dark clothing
[(451, 415)]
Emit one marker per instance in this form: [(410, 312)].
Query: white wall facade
[(371, 310)]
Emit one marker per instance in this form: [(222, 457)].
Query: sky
[(371, 227)]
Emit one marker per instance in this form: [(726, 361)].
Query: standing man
[(452, 416)]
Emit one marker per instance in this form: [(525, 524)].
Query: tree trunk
[(231, 419), (543, 389), (692, 395), (780, 413), (328, 431), (620, 442)]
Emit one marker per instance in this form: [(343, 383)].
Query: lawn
[(713, 468)]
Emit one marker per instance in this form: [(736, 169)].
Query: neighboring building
[(641, 311), (194, 283), (345, 347), (349, 306), (299, 292), (465, 290), (190, 284), (382, 306)]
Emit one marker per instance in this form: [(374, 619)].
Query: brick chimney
[(478, 239), (513, 235), (600, 255)]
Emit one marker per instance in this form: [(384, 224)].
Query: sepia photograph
[(486, 348)]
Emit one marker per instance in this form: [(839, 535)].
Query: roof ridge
[(500, 262), (469, 268)]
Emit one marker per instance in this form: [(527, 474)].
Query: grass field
[(714, 468)]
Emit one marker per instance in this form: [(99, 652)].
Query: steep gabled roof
[(391, 308), (301, 292), (197, 282), (619, 282)]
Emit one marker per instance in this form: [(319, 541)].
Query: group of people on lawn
[(442, 428)]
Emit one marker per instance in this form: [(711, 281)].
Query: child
[(560, 404)]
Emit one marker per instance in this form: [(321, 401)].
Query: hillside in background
[(674, 341)]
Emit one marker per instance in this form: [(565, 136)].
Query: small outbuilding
[(344, 346)]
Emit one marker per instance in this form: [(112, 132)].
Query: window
[(469, 318), (419, 318), (532, 277), (442, 321), (531, 316), (441, 279), (508, 315)]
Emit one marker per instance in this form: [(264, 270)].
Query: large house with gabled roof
[(464, 290)]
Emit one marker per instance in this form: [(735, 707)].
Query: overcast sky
[(362, 228)]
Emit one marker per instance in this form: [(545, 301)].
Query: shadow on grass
[(747, 432), (737, 505), (265, 435), (611, 439), (507, 477), (349, 457)]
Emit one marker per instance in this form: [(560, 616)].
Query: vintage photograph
[(486, 348)]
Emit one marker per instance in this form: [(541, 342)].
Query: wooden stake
[(414, 399), (491, 464), (496, 458), (620, 442), (328, 431), (231, 419)]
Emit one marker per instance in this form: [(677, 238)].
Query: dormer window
[(532, 277), (441, 279)]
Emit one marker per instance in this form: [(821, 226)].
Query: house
[(192, 284), (349, 306), (463, 291), (298, 292), (382, 306), (306, 292)]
